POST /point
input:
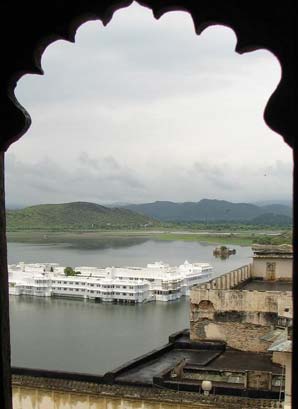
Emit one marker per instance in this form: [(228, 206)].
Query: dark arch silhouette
[(27, 28)]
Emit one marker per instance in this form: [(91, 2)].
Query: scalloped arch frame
[(256, 26), (28, 27)]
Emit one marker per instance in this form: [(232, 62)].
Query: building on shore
[(250, 309)]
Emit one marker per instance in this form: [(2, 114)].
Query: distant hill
[(277, 209), (270, 219), (77, 215), (207, 210), (284, 202)]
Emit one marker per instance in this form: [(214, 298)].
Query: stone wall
[(241, 336), (285, 307), (40, 393), (258, 303), (238, 317), (283, 267)]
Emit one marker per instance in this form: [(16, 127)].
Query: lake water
[(86, 337)]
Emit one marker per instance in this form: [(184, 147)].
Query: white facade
[(157, 281)]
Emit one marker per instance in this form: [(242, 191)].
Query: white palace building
[(156, 282)]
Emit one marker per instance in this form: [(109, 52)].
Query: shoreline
[(242, 238)]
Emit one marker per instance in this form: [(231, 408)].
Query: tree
[(69, 271)]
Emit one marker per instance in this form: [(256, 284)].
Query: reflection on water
[(223, 256), (106, 243), (99, 243), (124, 251), (78, 240), (81, 336)]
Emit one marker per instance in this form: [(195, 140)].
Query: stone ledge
[(141, 393)]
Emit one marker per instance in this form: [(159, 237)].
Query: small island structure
[(223, 252)]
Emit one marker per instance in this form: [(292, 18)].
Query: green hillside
[(75, 216)]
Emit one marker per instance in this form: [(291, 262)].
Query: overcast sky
[(145, 110)]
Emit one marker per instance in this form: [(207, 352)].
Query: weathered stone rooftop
[(264, 285), (272, 251), (239, 361), (213, 359), (145, 372)]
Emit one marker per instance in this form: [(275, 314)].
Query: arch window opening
[(137, 112)]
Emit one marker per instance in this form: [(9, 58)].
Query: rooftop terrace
[(272, 251), (231, 360), (230, 370), (263, 285), (212, 358)]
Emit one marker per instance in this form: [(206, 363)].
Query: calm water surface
[(82, 336)]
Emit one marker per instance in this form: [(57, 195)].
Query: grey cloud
[(46, 181), (279, 169), (106, 180), (218, 176), (126, 60), (43, 176), (142, 99), (107, 162), (107, 170)]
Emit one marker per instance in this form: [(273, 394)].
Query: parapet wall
[(40, 393), (229, 280), (248, 301)]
